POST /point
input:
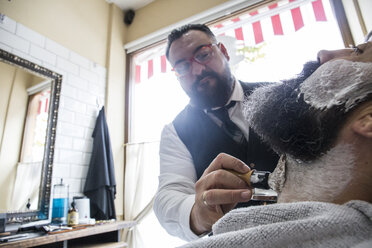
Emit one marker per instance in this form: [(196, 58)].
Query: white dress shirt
[(176, 192)]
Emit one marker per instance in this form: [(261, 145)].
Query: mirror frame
[(43, 211)]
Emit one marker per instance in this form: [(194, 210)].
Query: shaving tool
[(254, 178)]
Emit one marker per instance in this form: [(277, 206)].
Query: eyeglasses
[(202, 56)]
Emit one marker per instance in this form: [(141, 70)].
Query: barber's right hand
[(217, 192)]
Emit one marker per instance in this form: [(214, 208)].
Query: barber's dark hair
[(291, 126), (178, 32)]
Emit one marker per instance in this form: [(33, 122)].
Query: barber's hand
[(217, 192)]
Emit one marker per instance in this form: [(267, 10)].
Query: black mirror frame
[(43, 212)]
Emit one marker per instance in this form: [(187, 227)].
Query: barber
[(205, 138)]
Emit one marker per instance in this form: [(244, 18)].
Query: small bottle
[(73, 215)]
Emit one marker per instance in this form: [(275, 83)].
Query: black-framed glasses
[(202, 56)]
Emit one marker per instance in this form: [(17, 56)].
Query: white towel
[(301, 224)]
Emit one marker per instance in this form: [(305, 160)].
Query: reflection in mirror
[(24, 115), (29, 97)]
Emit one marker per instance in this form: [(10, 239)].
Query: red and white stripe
[(253, 29)]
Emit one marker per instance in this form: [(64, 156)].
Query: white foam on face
[(323, 179), (277, 178), (338, 82)]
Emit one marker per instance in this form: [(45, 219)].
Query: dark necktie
[(227, 124)]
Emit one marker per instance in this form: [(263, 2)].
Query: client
[(321, 124)]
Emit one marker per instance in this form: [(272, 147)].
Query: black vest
[(205, 140)]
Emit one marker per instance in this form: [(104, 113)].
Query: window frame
[(336, 5)]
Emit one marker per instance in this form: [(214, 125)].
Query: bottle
[(60, 203), (73, 215)]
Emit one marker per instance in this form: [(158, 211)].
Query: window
[(271, 43), (154, 89), (279, 38), (35, 127)]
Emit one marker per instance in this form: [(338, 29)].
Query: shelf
[(102, 245), (99, 235)]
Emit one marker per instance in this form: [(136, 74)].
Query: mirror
[(29, 99)]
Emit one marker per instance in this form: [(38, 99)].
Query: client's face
[(305, 120)]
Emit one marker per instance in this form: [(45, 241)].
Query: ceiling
[(130, 4)]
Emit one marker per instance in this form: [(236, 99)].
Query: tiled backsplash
[(83, 93)]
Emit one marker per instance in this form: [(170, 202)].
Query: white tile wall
[(42, 54), (88, 75), (14, 41), (30, 35), (83, 83), (78, 82), (56, 49), (79, 60), (5, 47), (68, 66), (9, 25)]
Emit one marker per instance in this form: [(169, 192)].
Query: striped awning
[(278, 19)]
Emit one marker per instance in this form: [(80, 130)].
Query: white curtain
[(27, 185), (141, 182)]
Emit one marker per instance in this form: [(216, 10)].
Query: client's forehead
[(338, 82)]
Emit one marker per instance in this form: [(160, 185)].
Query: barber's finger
[(222, 196), (226, 161), (220, 179)]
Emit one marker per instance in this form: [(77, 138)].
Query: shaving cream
[(338, 82), (320, 180)]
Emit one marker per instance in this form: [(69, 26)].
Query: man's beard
[(309, 68), (283, 120), (212, 96)]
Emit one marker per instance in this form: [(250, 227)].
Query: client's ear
[(363, 124)]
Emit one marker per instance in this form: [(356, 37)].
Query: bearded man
[(194, 190)]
